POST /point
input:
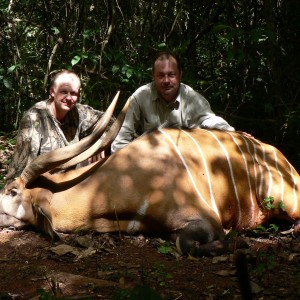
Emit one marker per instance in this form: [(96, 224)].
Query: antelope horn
[(102, 143), (48, 161)]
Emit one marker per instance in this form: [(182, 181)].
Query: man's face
[(167, 78), (65, 94)]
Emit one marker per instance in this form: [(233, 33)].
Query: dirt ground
[(98, 266), (102, 266)]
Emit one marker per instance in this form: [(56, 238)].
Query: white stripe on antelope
[(192, 183)]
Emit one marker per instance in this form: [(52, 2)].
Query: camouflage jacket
[(40, 132)]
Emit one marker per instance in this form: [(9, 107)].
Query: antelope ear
[(45, 224)]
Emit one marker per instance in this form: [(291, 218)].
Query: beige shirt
[(147, 111)]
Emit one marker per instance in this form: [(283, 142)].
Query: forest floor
[(106, 266)]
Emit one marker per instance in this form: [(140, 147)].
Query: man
[(166, 102), (53, 123)]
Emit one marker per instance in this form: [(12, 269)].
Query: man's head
[(64, 92), (167, 73)]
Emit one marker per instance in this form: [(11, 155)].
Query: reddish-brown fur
[(191, 182)]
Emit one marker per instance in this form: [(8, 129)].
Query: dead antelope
[(192, 183)]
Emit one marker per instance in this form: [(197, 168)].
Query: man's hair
[(166, 55), (61, 72)]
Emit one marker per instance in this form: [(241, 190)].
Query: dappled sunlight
[(12, 237), (161, 181), (156, 197), (150, 177), (179, 198)]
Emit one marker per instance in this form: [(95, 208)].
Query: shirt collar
[(155, 97)]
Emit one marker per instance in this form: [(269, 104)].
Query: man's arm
[(201, 115), (215, 122), (130, 126)]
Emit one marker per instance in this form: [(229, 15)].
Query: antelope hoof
[(218, 247), (196, 234), (201, 238), (297, 229)]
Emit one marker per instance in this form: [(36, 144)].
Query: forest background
[(242, 55)]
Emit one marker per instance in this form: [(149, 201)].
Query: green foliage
[(269, 204), (240, 55), (128, 74), (46, 295), (264, 262), (5, 77), (232, 233), (281, 205), (54, 292), (161, 274), (165, 248), (1, 182), (272, 228)]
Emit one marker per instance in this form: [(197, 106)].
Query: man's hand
[(248, 135)]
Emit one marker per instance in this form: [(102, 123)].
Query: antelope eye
[(13, 192)]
